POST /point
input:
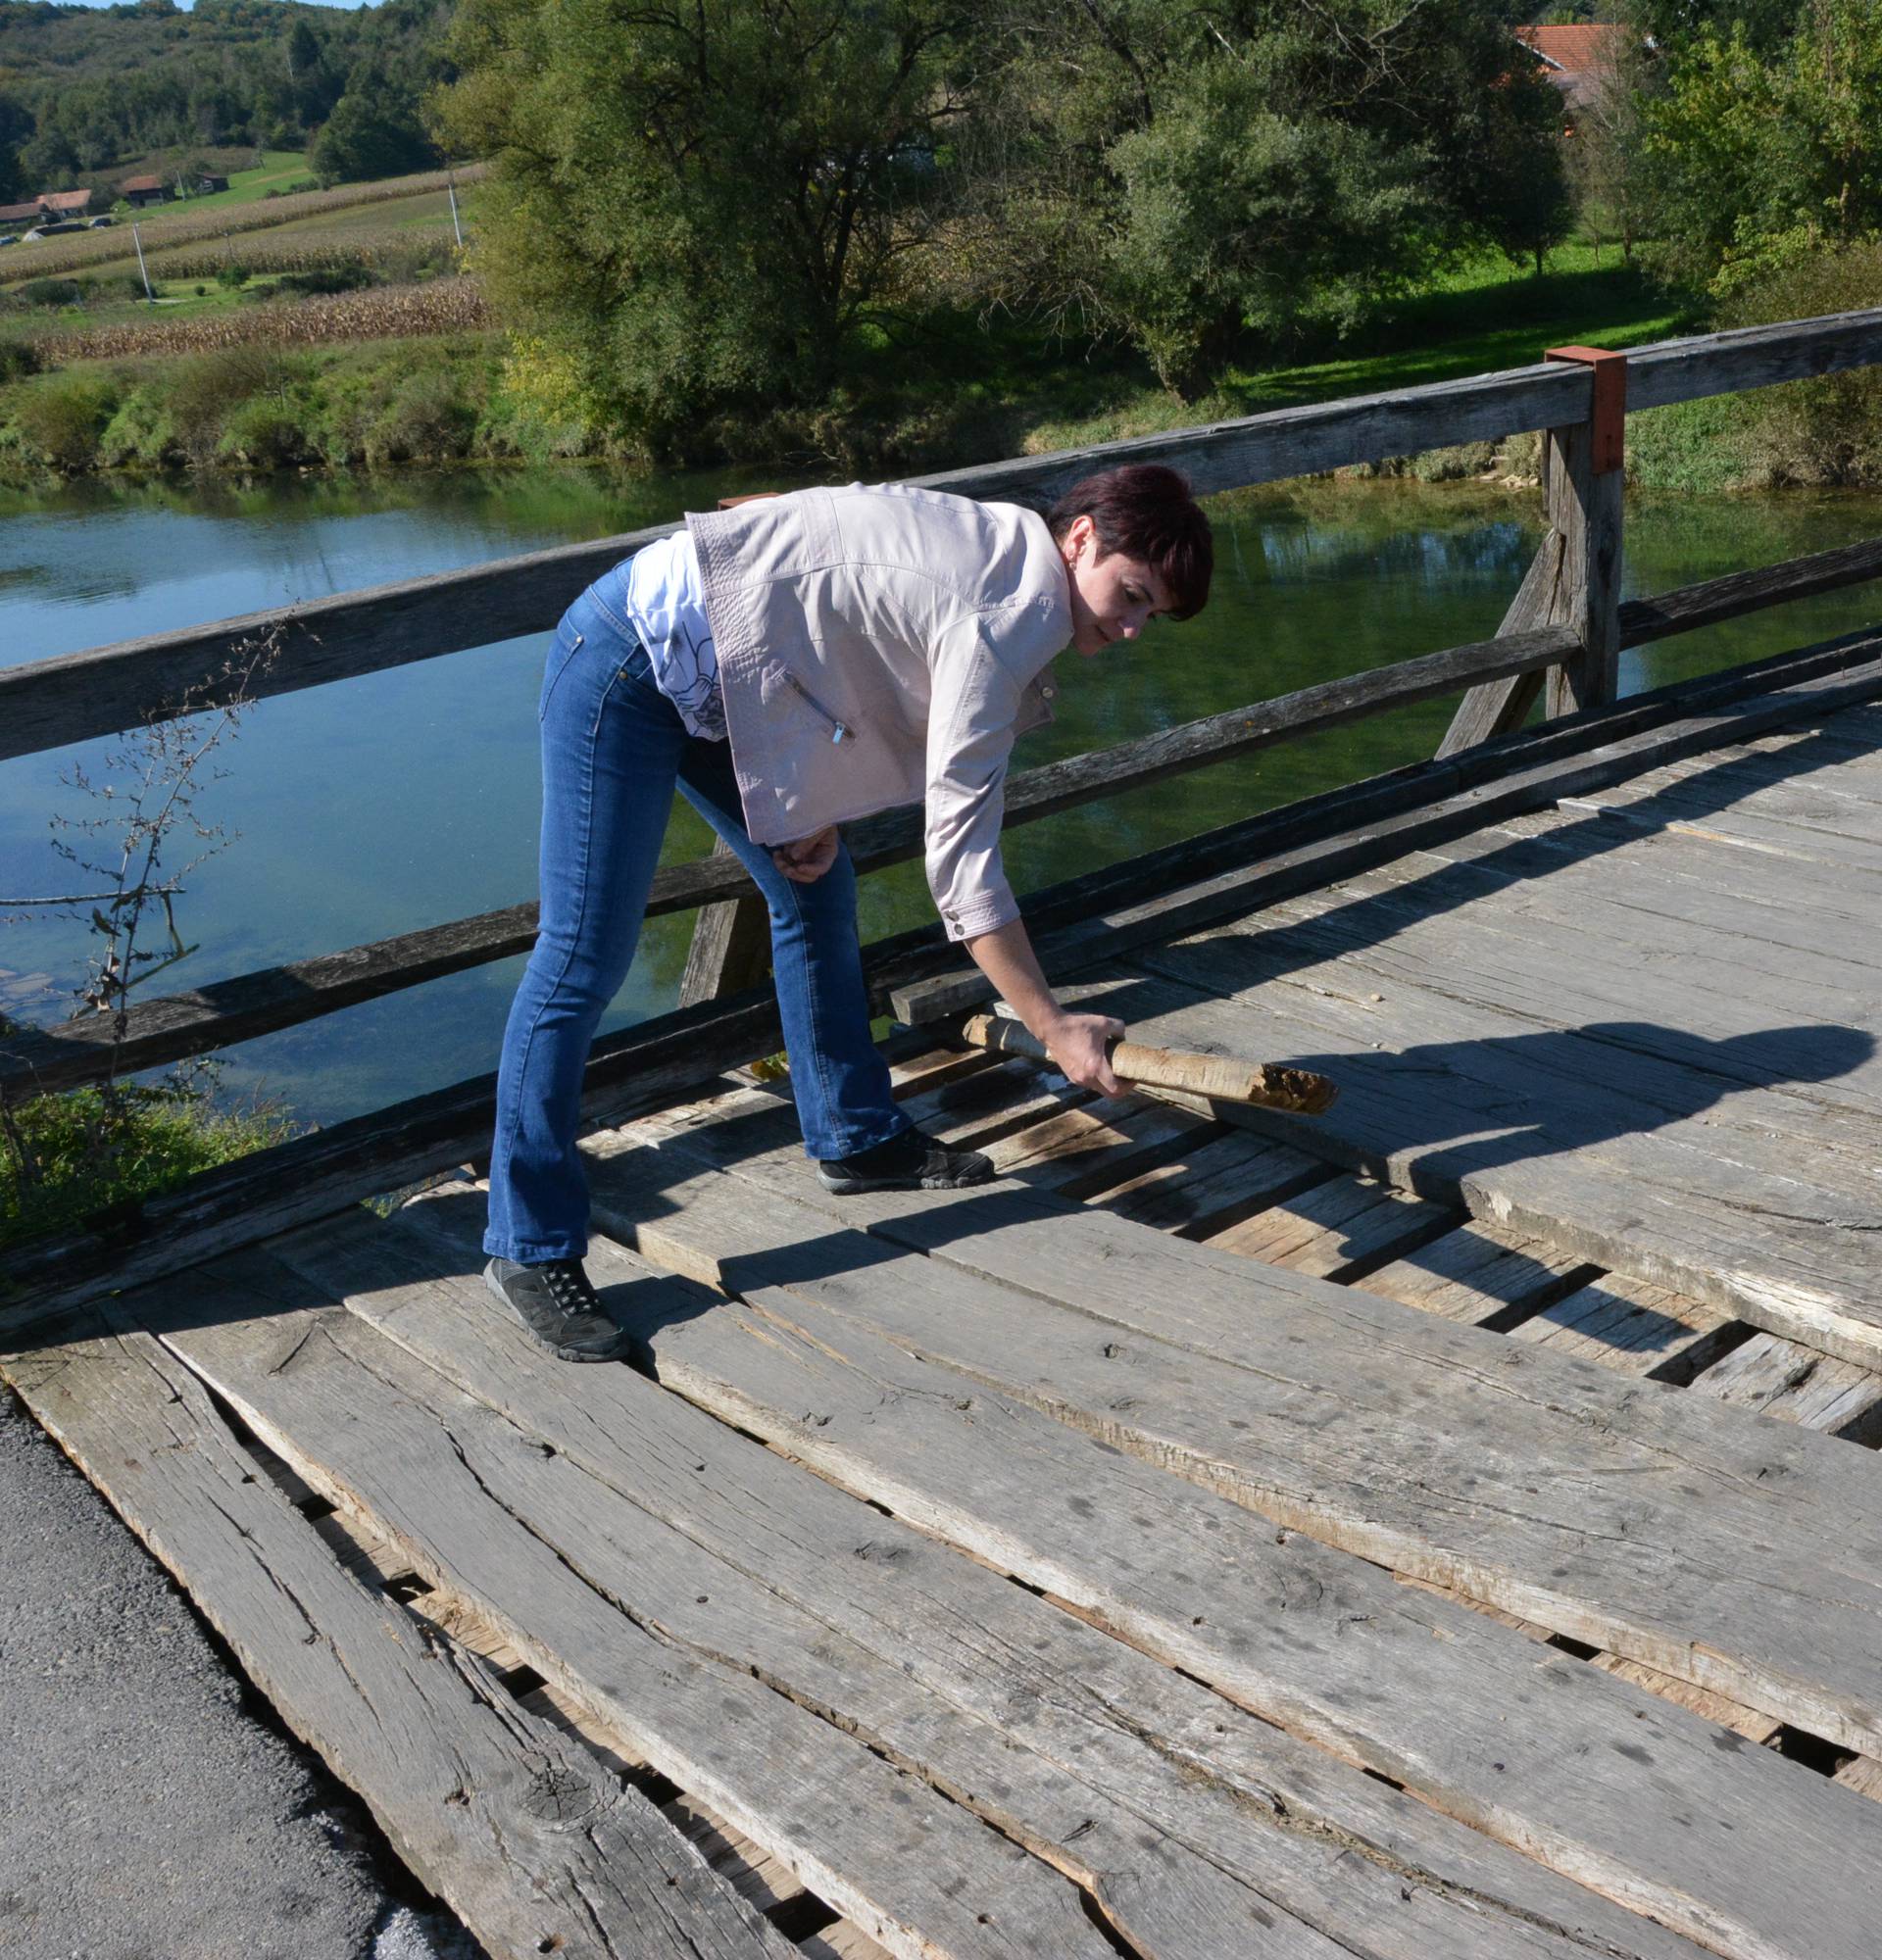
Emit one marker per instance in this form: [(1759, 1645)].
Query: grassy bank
[(931, 394)]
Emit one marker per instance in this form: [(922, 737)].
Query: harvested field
[(383, 313)]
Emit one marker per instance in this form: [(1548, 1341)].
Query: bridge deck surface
[(1448, 1528)]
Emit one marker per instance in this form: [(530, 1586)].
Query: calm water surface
[(378, 805)]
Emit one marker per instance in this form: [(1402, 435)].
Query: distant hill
[(88, 93)]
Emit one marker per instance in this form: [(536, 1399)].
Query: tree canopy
[(700, 208)]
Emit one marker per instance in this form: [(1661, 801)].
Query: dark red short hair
[(1145, 511)]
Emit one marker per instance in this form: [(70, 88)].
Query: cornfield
[(56, 258), (381, 312), (378, 251)]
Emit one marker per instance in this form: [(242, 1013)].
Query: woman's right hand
[(1078, 1045)]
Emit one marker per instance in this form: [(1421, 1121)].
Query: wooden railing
[(1565, 631)]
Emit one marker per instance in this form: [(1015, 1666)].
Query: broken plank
[(1218, 1181), (1337, 1231), (1791, 1383), (531, 1842)]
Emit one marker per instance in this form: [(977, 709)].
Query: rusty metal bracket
[(1607, 414)]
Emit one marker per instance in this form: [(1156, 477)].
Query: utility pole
[(451, 185), (142, 267)]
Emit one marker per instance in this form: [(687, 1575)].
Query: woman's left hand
[(805, 860)]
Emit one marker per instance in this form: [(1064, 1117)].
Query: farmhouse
[(140, 191), (1580, 61)]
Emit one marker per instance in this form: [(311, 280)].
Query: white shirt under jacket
[(666, 609)]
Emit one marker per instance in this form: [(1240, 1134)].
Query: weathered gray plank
[(453, 1484), (1479, 1275), (1638, 1329), (1763, 1207), (534, 1845), (1502, 706), (1737, 593), (1374, 1428), (1794, 1383), (731, 945), (922, 1652), (1329, 1647), (1337, 1231)]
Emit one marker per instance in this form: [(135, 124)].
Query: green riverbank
[(934, 396)]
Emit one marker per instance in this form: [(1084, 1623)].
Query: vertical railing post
[(1575, 579), (1583, 477)]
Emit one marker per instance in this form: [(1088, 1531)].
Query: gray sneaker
[(557, 1307)]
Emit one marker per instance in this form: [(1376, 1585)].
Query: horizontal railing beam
[(1160, 894), (77, 696), (1716, 600), (33, 1063)]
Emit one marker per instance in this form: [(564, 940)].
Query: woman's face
[(1112, 598)]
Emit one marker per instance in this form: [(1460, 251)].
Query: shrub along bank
[(949, 394)]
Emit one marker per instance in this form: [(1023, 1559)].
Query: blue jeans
[(614, 748)]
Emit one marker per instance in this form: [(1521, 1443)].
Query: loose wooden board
[(1479, 1275), (1408, 1439), (531, 1842)]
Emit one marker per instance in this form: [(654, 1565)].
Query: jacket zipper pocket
[(840, 731)]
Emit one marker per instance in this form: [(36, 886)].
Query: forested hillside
[(87, 94)]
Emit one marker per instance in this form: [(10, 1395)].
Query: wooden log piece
[(1220, 1077)]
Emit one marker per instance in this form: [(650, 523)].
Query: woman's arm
[(1076, 1040)]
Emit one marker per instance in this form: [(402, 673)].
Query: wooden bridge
[(1449, 1526)]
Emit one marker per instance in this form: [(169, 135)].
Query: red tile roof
[(65, 200), (130, 184), (1575, 50), (19, 213)]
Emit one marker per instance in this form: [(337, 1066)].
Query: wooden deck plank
[(1329, 1646), (1665, 1206), (484, 1513), (1639, 1329), (1337, 1229), (1479, 1275), (1792, 1384), (1089, 1148), (1630, 963), (1442, 981), (846, 1608), (1220, 1180), (1376, 1429), (534, 1845)]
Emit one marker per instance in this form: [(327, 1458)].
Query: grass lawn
[(277, 170), (1480, 317)]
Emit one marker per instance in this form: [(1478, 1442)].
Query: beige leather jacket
[(882, 646)]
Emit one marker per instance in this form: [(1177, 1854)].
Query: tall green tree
[(696, 205)]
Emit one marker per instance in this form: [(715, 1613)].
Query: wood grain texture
[(1585, 506), (1500, 707), (1338, 1653), (483, 1513), (531, 1842), (929, 1655), (1397, 1435)]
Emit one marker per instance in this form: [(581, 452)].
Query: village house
[(140, 191), (1580, 61)]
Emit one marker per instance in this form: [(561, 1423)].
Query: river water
[(407, 799)]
